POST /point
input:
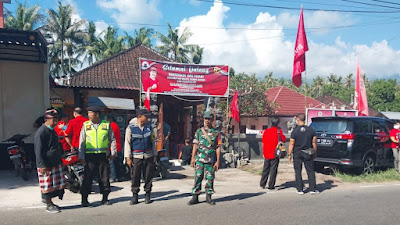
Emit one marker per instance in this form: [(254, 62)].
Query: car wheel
[(369, 165)]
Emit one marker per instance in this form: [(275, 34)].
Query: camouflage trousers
[(201, 170)]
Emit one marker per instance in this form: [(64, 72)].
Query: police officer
[(205, 158), (97, 145)]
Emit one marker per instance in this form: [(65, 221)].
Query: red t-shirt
[(74, 129), (148, 82), (59, 129), (117, 134), (270, 141), (395, 134)]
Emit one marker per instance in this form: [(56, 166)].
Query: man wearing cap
[(48, 161), (97, 145), (205, 158), (140, 155), (151, 83)]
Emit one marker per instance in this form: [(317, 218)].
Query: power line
[(387, 2), (364, 3), (296, 8), (325, 4)]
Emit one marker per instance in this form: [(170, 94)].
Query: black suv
[(361, 143)]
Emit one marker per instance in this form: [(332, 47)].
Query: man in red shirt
[(151, 82), (270, 140), (60, 130), (74, 128), (394, 137), (116, 163)]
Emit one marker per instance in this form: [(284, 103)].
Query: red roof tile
[(290, 102), (120, 71)]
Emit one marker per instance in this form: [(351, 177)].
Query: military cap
[(94, 108), (143, 112), (208, 115)]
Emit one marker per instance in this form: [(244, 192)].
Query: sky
[(258, 36)]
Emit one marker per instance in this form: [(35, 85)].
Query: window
[(265, 127), (253, 127), (242, 129), (362, 126), (329, 126)]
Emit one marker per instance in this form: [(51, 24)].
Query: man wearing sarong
[(48, 161)]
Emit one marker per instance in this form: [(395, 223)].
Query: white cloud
[(266, 50), (126, 12), (100, 27)]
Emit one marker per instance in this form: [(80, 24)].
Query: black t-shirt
[(186, 152), (303, 136)]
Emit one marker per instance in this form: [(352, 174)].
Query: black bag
[(308, 153), (280, 151)]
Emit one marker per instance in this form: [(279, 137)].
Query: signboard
[(311, 113), (5, 1), (184, 79)]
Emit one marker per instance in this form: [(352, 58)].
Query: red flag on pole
[(360, 94), (147, 100), (300, 48), (235, 107)]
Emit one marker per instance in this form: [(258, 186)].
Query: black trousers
[(140, 165), (298, 159), (96, 165), (270, 169)]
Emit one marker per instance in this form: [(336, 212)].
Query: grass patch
[(380, 176), (253, 169)]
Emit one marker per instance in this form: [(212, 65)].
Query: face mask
[(48, 126), (397, 127)]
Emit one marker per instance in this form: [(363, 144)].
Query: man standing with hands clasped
[(205, 158), (140, 154), (303, 149), (97, 145)]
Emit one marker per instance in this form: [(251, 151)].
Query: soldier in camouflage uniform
[(205, 158)]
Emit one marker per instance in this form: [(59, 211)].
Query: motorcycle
[(162, 164), (73, 172), (22, 163)]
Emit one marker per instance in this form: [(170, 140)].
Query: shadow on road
[(154, 195), (184, 195), (327, 185), (241, 196)]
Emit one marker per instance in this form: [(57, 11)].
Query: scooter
[(162, 164), (73, 172), (22, 164)]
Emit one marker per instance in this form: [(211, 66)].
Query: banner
[(183, 79)]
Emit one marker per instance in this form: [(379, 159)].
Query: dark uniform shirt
[(303, 136), (47, 148)]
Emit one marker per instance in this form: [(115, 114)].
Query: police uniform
[(96, 144), (205, 160)]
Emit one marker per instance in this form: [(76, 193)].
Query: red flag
[(300, 48), (360, 94), (147, 100), (235, 107)]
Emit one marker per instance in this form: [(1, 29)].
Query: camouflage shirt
[(206, 150)]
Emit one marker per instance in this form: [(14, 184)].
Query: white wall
[(24, 96)]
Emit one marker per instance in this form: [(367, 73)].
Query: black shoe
[(209, 200), (147, 198), (58, 207), (134, 200), (262, 187), (271, 188), (52, 209), (85, 203), (105, 200), (194, 200)]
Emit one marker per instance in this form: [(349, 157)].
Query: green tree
[(197, 54), (111, 44), (270, 81), (60, 27), (317, 87), (92, 45), (382, 95), (349, 81), (143, 35), (175, 46), (26, 18)]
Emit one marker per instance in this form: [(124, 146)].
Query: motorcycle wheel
[(24, 174)]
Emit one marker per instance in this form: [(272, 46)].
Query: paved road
[(239, 201)]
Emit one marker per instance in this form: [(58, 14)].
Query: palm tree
[(348, 81), (333, 79), (111, 44), (174, 45), (270, 81), (62, 29), (282, 82), (26, 18), (317, 86), (92, 45), (143, 35), (197, 53)]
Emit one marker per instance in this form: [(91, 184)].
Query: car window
[(362, 126), (379, 127), (331, 126)]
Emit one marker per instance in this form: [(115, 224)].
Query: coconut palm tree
[(92, 45), (270, 80), (111, 44), (197, 53), (61, 29), (174, 45), (348, 81), (26, 18), (317, 86), (143, 35)]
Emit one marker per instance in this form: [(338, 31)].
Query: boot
[(209, 200), (194, 200), (105, 200), (134, 200), (147, 198), (85, 202)]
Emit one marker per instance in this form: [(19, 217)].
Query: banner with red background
[(184, 79)]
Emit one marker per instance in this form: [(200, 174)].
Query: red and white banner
[(360, 95), (184, 79), (300, 48)]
